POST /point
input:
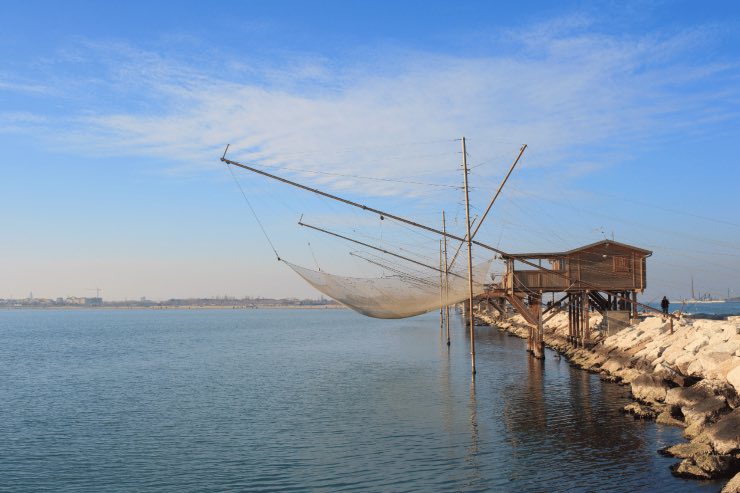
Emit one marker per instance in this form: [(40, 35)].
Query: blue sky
[(113, 117)]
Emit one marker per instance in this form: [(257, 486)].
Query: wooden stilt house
[(604, 276)]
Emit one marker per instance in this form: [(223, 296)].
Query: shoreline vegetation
[(689, 378)]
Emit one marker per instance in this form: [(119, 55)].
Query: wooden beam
[(522, 309)]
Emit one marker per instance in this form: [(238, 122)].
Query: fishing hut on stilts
[(604, 277)]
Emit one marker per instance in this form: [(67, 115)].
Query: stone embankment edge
[(707, 408)]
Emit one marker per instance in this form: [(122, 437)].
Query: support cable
[(267, 237)]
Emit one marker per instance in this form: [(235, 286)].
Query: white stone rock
[(699, 342), (648, 388), (672, 352), (682, 363), (733, 486), (723, 347), (733, 377), (709, 363)]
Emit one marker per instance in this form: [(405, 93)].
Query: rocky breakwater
[(688, 378)]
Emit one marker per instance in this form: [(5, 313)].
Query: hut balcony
[(535, 280)]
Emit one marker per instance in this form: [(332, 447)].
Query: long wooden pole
[(460, 245), (447, 282), (361, 206), (441, 291), (470, 258), (500, 187), (402, 274), (372, 246)]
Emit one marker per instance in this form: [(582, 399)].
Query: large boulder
[(724, 435), (733, 377), (667, 418), (715, 466), (688, 396), (672, 352), (612, 366), (696, 343), (628, 375), (687, 468), (648, 388), (639, 412), (683, 362), (733, 486), (705, 466), (694, 429), (696, 393), (705, 410), (688, 449), (652, 352), (711, 364)]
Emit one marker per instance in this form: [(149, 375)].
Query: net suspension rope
[(254, 213)]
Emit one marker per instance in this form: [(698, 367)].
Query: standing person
[(664, 304)]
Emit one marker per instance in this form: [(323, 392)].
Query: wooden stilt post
[(574, 338), (586, 321), (570, 318), (634, 305), (530, 342), (539, 340), (470, 255), (578, 319), (576, 315)]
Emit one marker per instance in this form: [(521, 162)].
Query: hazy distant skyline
[(113, 117)]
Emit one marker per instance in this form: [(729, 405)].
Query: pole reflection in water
[(472, 460)]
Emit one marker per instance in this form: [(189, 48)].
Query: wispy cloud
[(572, 94), (10, 85)]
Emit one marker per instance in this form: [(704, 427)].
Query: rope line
[(267, 237), (314, 257), (359, 177)]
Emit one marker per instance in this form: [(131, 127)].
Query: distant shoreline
[(173, 307)]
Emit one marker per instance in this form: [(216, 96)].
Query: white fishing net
[(398, 296)]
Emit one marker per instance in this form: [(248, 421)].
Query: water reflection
[(472, 459), (547, 409)]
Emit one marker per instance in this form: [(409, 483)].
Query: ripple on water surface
[(321, 400)]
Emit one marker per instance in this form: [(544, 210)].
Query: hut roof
[(606, 243)]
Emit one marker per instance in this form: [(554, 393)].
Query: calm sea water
[(708, 309), (324, 400)]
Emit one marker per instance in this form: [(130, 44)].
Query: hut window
[(558, 264), (621, 264)]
